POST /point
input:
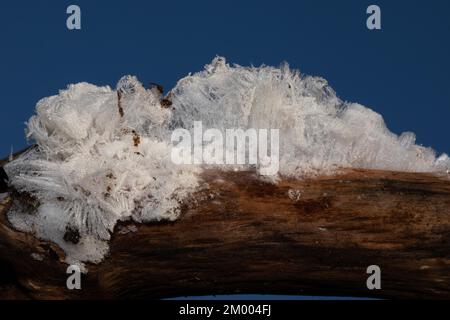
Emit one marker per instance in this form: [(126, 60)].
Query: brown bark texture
[(239, 234)]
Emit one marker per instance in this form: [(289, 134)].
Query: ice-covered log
[(105, 157)]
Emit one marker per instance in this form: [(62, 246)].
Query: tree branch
[(242, 235)]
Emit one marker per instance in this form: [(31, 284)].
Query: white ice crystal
[(318, 131), (95, 166), (103, 155)]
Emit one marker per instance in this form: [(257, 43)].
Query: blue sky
[(401, 71)]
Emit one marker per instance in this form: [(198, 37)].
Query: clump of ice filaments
[(94, 166), (318, 131), (102, 158)]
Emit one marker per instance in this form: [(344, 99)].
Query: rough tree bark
[(242, 235)]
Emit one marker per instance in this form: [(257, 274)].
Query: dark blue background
[(401, 71)]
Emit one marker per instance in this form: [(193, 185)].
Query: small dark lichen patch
[(107, 194), (119, 103), (26, 201), (72, 235), (165, 103), (136, 139)]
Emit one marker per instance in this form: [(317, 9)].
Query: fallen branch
[(242, 235)]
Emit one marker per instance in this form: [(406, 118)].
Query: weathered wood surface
[(242, 235)]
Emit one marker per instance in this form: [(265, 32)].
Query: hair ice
[(103, 155)]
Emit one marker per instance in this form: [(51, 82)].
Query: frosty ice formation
[(103, 155)]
